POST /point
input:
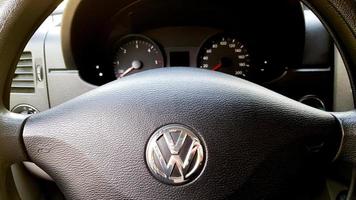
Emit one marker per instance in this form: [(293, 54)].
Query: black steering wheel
[(175, 133)]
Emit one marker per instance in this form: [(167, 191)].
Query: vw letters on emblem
[(175, 155)]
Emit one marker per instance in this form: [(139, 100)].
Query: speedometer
[(225, 54)]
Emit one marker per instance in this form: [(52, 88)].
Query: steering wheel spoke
[(11, 149), (347, 121)]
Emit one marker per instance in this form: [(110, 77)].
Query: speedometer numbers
[(225, 54)]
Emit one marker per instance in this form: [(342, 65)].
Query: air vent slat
[(26, 56), (26, 63), (24, 66), (23, 71), (22, 85), (23, 81), (22, 90)]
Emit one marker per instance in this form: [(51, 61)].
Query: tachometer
[(225, 54), (135, 53)]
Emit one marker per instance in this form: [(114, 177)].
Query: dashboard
[(280, 45), (265, 44), (251, 42)]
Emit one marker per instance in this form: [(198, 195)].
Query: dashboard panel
[(271, 41), (77, 50), (272, 33)]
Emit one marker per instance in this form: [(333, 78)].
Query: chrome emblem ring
[(175, 155)]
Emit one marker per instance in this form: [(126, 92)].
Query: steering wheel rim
[(339, 16)]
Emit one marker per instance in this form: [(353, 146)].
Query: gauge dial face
[(136, 53), (225, 54)]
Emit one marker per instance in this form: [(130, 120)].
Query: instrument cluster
[(222, 52)]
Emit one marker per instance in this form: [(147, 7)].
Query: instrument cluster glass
[(135, 53), (226, 54), (223, 52)]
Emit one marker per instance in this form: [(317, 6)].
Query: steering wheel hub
[(246, 129)]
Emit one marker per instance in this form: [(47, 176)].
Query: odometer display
[(226, 54)]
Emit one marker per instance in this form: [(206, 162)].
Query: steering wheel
[(175, 133)]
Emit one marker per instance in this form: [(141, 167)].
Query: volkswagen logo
[(174, 154)]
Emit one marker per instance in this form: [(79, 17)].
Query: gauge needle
[(216, 67), (135, 66)]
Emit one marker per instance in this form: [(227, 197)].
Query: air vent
[(23, 81)]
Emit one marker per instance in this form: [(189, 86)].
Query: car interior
[(177, 99)]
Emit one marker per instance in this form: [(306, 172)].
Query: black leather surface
[(93, 146), (346, 10)]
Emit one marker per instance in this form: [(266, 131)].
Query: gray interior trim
[(343, 99)]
